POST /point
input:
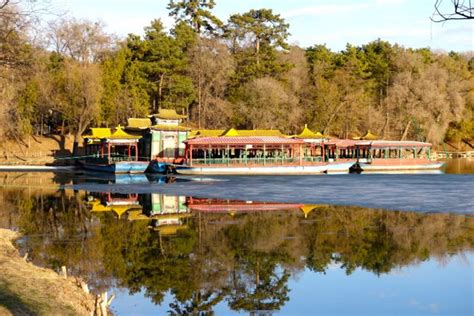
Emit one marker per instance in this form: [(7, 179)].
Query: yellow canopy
[(121, 134), (206, 133), (231, 132), (137, 214), (167, 230), (368, 136), (169, 114), (259, 132), (138, 123), (117, 209), (98, 133), (134, 215), (235, 132), (307, 133), (307, 209), (106, 133)]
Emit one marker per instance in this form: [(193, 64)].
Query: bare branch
[(3, 4), (461, 10)]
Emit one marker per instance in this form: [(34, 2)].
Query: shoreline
[(36, 168), (26, 289)]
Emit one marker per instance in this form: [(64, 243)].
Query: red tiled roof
[(392, 143), (252, 207), (251, 140), (342, 143)]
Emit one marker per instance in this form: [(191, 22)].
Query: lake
[(356, 244)]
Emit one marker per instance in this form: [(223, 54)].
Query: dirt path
[(26, 289)]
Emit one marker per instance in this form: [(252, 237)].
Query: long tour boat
[(234, 154), (115, 152), (386, 156)]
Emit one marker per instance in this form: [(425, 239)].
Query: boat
[(115, 166), (157, 166), (233, 154), (207, 205), (390, 156), (253, 170), (112, 152)]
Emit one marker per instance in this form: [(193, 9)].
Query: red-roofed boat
[(258, 155), (393, 156)]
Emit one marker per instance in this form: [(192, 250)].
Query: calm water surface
[(341, 245)]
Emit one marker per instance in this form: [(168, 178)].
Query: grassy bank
[(26, 289)]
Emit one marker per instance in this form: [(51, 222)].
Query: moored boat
[(157, 166), (115, 152), (389, 156), (233, 154), (115, 166)]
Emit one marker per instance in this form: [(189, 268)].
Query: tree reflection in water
[(206, 251)]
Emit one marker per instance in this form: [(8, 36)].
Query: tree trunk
[(199, 97), (160, 91), (405, 131), (75, 147), (385, 125), (332, 117)]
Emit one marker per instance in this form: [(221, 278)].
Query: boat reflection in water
[(185, 255), (110, 178), (167, 213)]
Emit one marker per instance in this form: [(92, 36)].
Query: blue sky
[(441, 286), (333, 23)]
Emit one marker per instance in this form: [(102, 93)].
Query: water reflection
[(459, 166), (194, 254)]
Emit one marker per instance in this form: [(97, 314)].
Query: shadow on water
[(193, 254)]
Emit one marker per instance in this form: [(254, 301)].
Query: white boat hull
[(367, 167), (266, 170)]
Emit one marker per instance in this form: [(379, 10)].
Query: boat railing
[(112, 158), (254, 160), (246, 161), (312, 159)]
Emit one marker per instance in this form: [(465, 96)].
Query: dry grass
[(26, 289), (36, 150)]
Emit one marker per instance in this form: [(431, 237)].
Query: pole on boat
[(190, 155), (282, 155), (301, 154), (264, 154), (245, 154)]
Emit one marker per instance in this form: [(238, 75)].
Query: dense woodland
[(68, 74)]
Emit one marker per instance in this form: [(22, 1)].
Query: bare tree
[(461, 10), (81, 40), (211, 67)]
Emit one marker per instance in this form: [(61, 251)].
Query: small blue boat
[(116, 167), (116, 152), (158, 167)]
